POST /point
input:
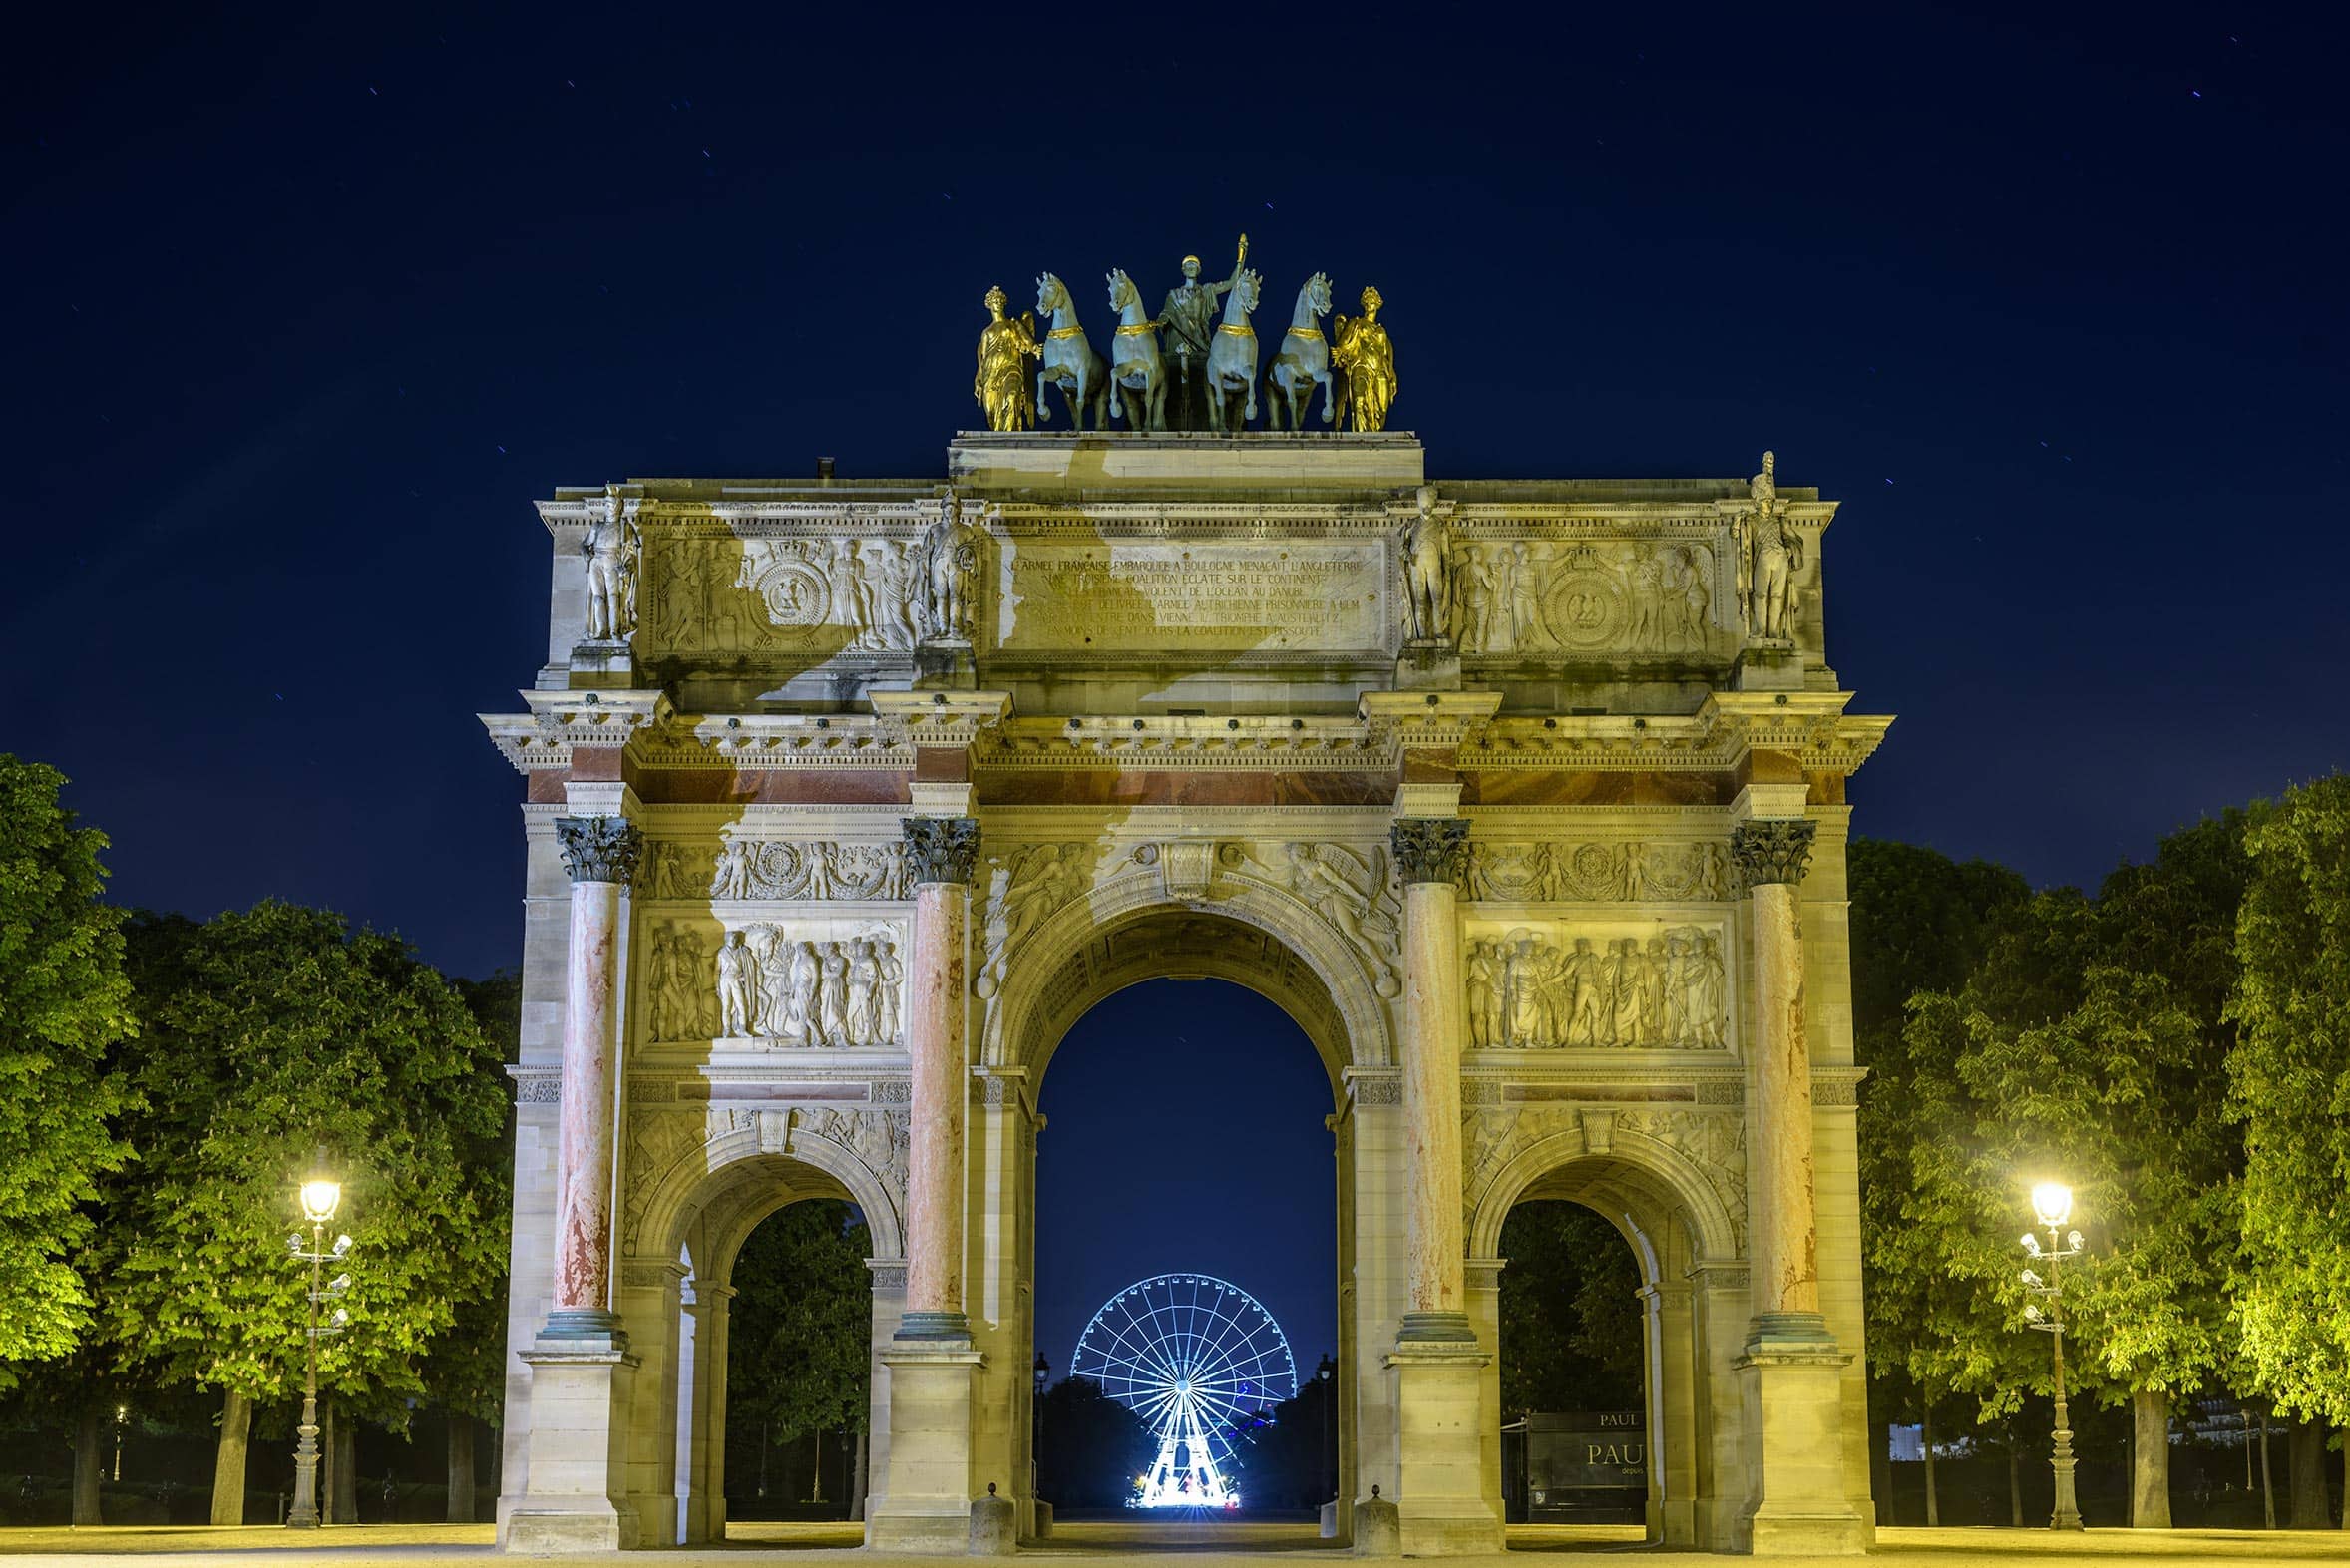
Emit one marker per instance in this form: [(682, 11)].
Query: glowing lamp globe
[(319, 1198), (2052, 1201)]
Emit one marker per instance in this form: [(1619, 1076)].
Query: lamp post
[(320, 1198), (2052, 1206), (1326, 1372), (1040, 1375)]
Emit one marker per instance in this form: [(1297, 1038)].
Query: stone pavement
[(1203, 1546)]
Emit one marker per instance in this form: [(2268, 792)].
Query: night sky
[(305, 308)]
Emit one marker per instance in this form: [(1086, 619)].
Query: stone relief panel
[(1152, 597), (1714, 1141), (1582, 984), (1626, 872), (800, 983), (823, 595), (1355, 892), (1550, 596), (1025, 884), (751, 869)]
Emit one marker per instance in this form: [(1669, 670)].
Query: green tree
[(63, 1003), (1919, 924), (799, 1333), (2083, 1047), (2289, 1087), (465, 1373), (1090, 1448), (273, 1039), (1570, 1312)]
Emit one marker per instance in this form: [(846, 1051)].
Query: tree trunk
[(816, 1468), (346, 1471), (1880, 1471), (236, 1425), (2305, 1475), (2015, 1481), (88, 1463), (461, 1469), (2267, 1480), (1926, 1438), (2149, 1466), (857, 1478)]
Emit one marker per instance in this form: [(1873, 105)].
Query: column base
[(1790, 1379), (926, 1507), (570, 1324), (1440, 1429), (1435, 1327), (574, 1489), (933, 1326)]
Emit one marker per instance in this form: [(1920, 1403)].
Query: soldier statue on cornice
[(612, 546)]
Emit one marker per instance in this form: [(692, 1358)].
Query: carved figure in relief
[(1525, 598), (952, 556), (1135, 366), (1351, 894), (888, 593), (1426, 585), (1366, 356), (864, 980), (1301, 363), (1189, 319), (1472, 598), (800, 992), (612, 546), (739, 980), (1689, 597), (1036, 881), (730, 878), (1645, 576), (1001, 385), (1525, 991), (1069, 361), (892, 975)]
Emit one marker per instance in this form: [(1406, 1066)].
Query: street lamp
[(320, 1198), (2052, 1206), (1326, 1372), (1041, 1374)]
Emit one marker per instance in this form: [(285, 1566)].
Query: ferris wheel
[(1195, 1358)]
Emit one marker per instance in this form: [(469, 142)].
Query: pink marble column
[(941, 853), (1431, 854), (601, 855), (1772, 855)]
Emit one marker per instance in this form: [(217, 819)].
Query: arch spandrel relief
[(676, 1159)]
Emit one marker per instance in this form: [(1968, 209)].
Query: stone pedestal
[(927, 1508), (1792, 1393), (574, 1500), (1769, 666), (1440, 1478), (1428, 664), (944, 666)]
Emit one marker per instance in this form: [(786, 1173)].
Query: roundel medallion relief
[(1584, 605), (795, 592)]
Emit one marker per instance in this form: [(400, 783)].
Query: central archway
[(1250, 934)]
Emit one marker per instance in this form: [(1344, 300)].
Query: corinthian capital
[(599, 849), (940, 849), (1431, 849), (1771, 849)]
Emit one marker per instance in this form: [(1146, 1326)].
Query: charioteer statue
[(1189, 320)]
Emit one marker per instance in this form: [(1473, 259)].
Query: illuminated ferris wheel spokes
[(1193, 1357)]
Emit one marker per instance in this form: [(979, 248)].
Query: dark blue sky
[(1185, 1133), (305, 306)]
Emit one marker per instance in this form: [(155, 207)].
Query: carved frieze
[(1581, 985), (1714, 1142), (1353, 891), (790, 595), (1551, 596), (659, 1141), (1664, 871), (777, 984), (881, 1139), (1025, 884)]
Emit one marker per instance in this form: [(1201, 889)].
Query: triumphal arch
[(846, 797)]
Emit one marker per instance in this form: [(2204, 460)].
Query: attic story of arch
[(1528, 798)]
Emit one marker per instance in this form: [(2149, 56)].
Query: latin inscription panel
[(1178, 597)]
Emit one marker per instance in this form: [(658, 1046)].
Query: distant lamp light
[(2052, 1203), (321, 1197)]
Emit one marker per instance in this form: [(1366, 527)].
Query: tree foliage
[(274, 1038), (1570, 1313), (1090, 1448), (799, 1333), (2083, 1047), (64, 1005), (2289, 1087)]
